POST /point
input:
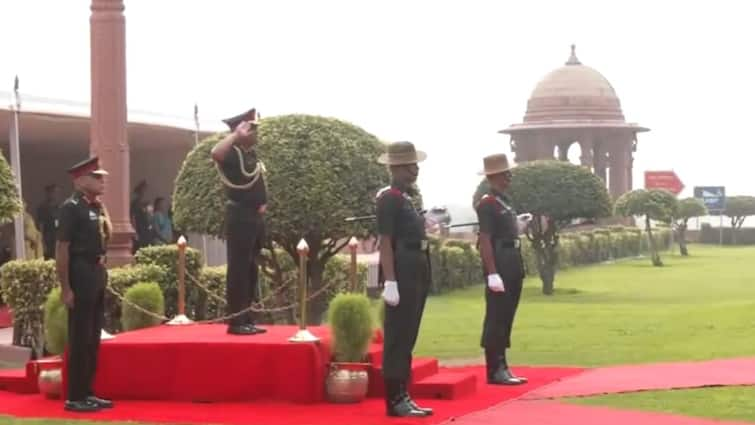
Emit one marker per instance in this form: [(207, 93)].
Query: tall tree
[(555, 193), (655, 204)]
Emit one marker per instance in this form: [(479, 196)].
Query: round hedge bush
[(56, 323), (148, 296), (350, 318)]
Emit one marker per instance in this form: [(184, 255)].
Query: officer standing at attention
[(246, 197), (405, 263), (499, 228), (83, 231)]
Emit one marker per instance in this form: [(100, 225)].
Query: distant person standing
[(161, 222), (83, 232), (140, 219), (502, 263), (47, 213)]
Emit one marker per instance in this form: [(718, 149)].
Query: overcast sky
[(444, 75)]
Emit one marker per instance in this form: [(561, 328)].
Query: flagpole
[(196, 142), (15, 160)]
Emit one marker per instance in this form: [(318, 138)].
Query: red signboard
[(663, 180)]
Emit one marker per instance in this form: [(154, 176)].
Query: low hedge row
[(455, 264)]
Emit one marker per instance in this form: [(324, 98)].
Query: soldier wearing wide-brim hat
[(83, 230), (499, 229), (241, 173), (405, 265)]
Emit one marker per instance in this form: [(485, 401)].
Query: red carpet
[(369, 412), (659, 376), (554, 413)]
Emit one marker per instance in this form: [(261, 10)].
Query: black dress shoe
[(503, 377), (81, 406), (101, 402), (256, 329), (521, 378), (241, 330), (404, 409), (415, 406)]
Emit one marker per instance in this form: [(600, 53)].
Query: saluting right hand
[(495, 283), (66, 296), (244, 129), (390, 293)]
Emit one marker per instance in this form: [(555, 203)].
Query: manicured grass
[(730, 403), (694, 308)]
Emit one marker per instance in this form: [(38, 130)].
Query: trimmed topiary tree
[(555, 193), (738, 208), (319, 171), (148, 296), (655, 204), (688, 208), (56, 323), (10, 203)]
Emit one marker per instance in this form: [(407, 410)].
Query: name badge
[(92, 215)]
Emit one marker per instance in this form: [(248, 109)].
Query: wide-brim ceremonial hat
[(495, 164), (401, 153)]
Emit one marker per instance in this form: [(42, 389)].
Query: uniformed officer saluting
[(83, 230), (405, 265), (502, 262), (246, 198)]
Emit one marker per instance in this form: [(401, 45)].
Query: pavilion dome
[(573, 93)]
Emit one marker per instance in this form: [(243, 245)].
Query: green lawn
[(695, 308), (729, 403), (699, 307)]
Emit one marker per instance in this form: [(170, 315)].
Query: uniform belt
[(507, 243), (90, 258), (420, 245), (247, 205)]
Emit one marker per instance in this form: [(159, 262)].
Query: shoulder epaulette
[(388, 190), (486, 199)]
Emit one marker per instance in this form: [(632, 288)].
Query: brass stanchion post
[(181, 318), (303, 335), (353, 243)]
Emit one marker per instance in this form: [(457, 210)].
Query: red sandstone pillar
[(108, 138), (619, 165)]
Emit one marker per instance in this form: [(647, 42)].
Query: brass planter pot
[(347, 382), (50, 382)]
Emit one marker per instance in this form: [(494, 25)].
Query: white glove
[(495, 283), (522, 221), (390, 293)]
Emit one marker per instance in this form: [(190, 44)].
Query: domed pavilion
[(575, 104)]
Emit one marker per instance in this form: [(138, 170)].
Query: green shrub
[(351, 321), (209, 305), (25, 285), (120, 279), (148, 296), (166, 256), (56, 323)]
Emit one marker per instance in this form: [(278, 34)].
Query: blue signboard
[(714, 198)]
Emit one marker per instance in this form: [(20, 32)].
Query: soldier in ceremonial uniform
[(502, 263), (83, 231), (246, 198), (405, 265)]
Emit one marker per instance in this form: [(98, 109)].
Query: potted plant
[(351, 322)]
